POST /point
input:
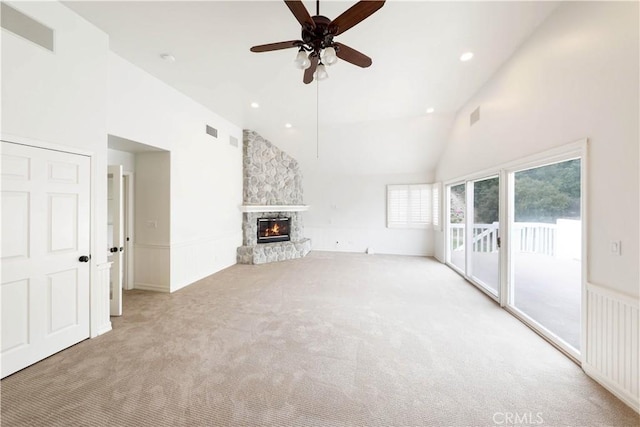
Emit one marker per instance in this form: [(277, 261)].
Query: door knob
[(84, 258), (121, 248), (113, 249)]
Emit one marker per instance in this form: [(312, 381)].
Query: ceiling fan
[(317, 47)]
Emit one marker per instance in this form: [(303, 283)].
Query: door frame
[(469, 222), (115, 203), (505, 171), (468, 231), (447, 223), (98, 257), (571, 151), (128, 185)]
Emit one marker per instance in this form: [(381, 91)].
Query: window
[(409, 206), (435, 204)]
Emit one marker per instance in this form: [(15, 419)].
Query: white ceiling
[(375, 117)]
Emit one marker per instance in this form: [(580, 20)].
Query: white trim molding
[(611, 349), (150, 287), (101, 300), (274, 208)]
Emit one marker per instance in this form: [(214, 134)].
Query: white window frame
[(403, 216), (436, 211)]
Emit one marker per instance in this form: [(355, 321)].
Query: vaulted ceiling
[(362, 121)]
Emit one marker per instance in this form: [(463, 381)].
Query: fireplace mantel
[(274, 208)]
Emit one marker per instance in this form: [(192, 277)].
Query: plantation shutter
[(409, 206)]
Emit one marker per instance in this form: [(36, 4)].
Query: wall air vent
[(212, 131), (233, 141), (22, 25), (474, 117)]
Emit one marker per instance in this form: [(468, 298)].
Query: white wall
[(345, 174), (576, 77), (206, 172), (152, 221), (124, 158), (60, 98), (349, 214)]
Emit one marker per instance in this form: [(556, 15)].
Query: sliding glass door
[(485, 235), (473, 231), (536, 270), (546, 250), (456, 250)]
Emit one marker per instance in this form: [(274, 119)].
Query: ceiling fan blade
[(300, 12), (354, 15), (308, 73), (348, 54), (276, 46)]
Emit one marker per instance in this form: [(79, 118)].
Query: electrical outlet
[(615, 247)]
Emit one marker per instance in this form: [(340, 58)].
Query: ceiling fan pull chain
[(317, 7)]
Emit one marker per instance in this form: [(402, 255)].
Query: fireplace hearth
[(273, 230)]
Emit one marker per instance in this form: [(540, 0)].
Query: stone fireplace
[(272, 204)]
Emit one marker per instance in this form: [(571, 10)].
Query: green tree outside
[(542, 194)]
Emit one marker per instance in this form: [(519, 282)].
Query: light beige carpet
[(328, 340)]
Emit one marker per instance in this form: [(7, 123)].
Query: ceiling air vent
[(26, 27), (233, 141), (212, 131), (474, 117)]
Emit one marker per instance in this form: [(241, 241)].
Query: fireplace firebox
[(273, 230)]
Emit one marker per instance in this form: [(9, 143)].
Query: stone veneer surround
[(273, 178)]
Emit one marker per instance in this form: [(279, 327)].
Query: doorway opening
[(136, 180)]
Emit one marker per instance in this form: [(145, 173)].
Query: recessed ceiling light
[(168, 57), (430, 110), (255, 105), (466, 56), (288, 125)]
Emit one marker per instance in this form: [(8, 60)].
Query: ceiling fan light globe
[(329, 56), (302, 61), (321, 73)]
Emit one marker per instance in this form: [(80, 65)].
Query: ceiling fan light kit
[(317, 38), (329, 56), (302, 60), (321, 72)]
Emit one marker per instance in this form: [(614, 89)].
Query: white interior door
[(45, 253), (115, 237)]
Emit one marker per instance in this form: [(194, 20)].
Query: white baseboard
[(621, 394), (150, 287), (104, 329)]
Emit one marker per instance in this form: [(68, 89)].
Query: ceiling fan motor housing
[(318, 38)]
